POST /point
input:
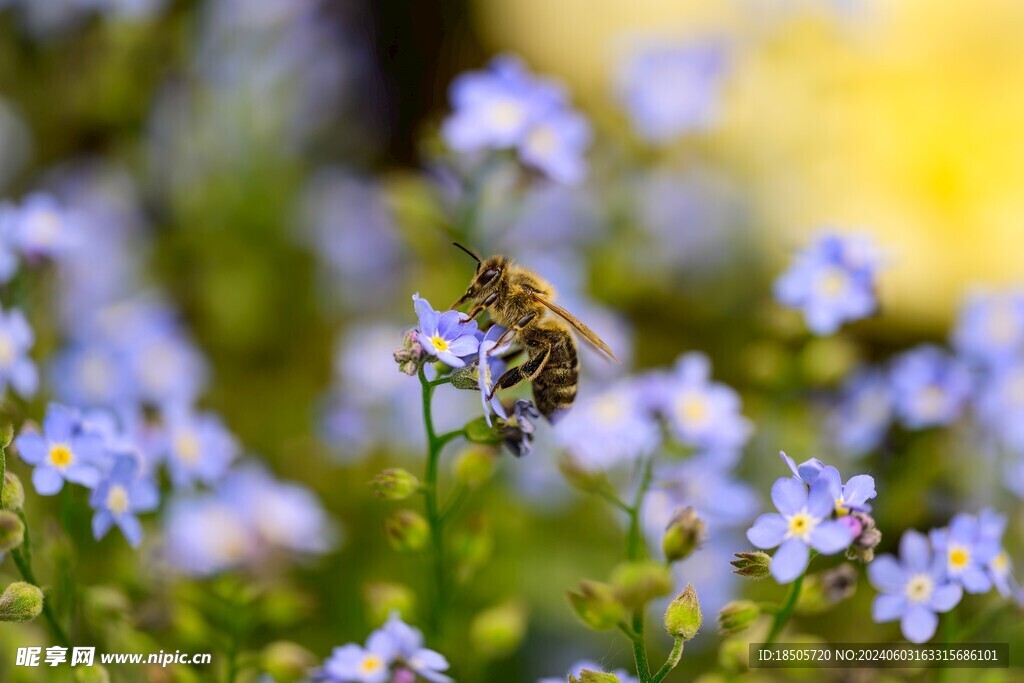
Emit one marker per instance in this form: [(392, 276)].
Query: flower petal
[(831, 537), (945, 597), (789, 495), (790, 560), (830, 475), (58, 423), (32, 448), (888, 607), (790, 463), (859, 489), (918, 623), (768, 531), (101, 523), (886, 574), (914, 552), (975, 580), (86, 475), (47, 480), (132, 529), (820, 501)]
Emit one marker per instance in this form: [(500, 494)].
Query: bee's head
[(485, 281)]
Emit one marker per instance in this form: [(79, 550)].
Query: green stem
[(671, 662), (786, 611), (634, 552), (22, 556), (3, 474), (435, 444)]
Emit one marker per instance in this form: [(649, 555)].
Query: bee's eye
[(487, 276)]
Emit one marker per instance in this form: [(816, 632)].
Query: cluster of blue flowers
[(507, 108), (932, 572), (394, 653), (129, 379), (814, 511)]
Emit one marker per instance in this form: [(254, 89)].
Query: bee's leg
[(480, 307), (527, 371), (511, 332)]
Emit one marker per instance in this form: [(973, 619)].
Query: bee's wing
[(587, 333)]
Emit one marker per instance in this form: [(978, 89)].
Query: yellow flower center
[(930, 401), (61, 456), (44, 227), (841, 508), (1001, 563), (833, 282), (801, 525), (370, 664), (959, 557), (919, 588), (692, 409), (506, 114), (186, 445), (117, 500), (439, 343), (610, 408), (7, 350), (542, 140), (1002, 323)]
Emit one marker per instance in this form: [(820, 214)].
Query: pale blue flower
[(912, 589), (702, 414), (410, 653), (832, 282), (702, 482), (356, 664), (60, 453), (965, 552), (118, 497), (669, 90), (507, 107), (16, 367), (860, 421), (929, 387), (990, 327), (991, 527), (1000, 405), (610, 428), (196, 447), (448, 335), (803, 522), (91, 374), (495, 109), (41, 227)]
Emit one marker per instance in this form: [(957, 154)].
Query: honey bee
[(519, 300)]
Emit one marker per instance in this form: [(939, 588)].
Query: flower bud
[(410, 355), (474, 466), (467, 378), (685, 533), (820, 592), (407, 530), (478, 431), (737, 616), (14, 493), (395, 484), (21, 602), (384, 598), (497, 632), (580, 478), (683, 617), (753, 565), (97, 673), (637, 583), (597, 605), (287, 662), (588, 676), (12, 531), (472, 546), (866, 536)]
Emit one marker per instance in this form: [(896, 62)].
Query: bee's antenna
[(474, 256)]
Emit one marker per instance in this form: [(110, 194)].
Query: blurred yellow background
[(902, 118)]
